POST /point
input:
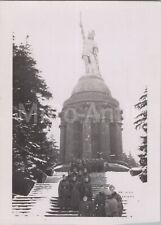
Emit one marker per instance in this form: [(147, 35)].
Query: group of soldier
[(73, 187), (75, 192), (108, 203)]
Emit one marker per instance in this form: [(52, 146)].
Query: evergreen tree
[(128, 160), (32, 116), (141, 124), (131, 161)]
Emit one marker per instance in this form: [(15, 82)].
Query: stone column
[(62, 142), (69, 144), (116, 138), (77, 139), (86, 138), (105, 137)]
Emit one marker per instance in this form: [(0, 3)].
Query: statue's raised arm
[(81, 26)]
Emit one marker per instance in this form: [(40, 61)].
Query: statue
[(90, 51)]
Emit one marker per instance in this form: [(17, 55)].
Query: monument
[(91, 117)]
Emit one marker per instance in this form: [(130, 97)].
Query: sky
[(127, 36)]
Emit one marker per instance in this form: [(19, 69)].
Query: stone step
[(53, 210), (58, 215), (26, 205)]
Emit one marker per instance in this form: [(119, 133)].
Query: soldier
[(99, 203), (111, 205), (118, 198), (84, 164), (70, 176), (79, 166), (73, 165), (80, 176), (86, 207), (75, 171), (87, 188), (80, 180), (85, 174), (75, 193), (64, 193)]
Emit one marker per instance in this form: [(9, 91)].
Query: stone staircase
[(42, 201)]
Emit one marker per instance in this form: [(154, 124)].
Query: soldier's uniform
[(99, 204), (86, 208), (87, 190), (116, 196), (64, 194), (111, 207), (75, 195)]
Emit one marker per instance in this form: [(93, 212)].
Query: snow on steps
[(42, 201)]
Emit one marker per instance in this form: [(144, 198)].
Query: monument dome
[(91, 84), (91, 88)]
